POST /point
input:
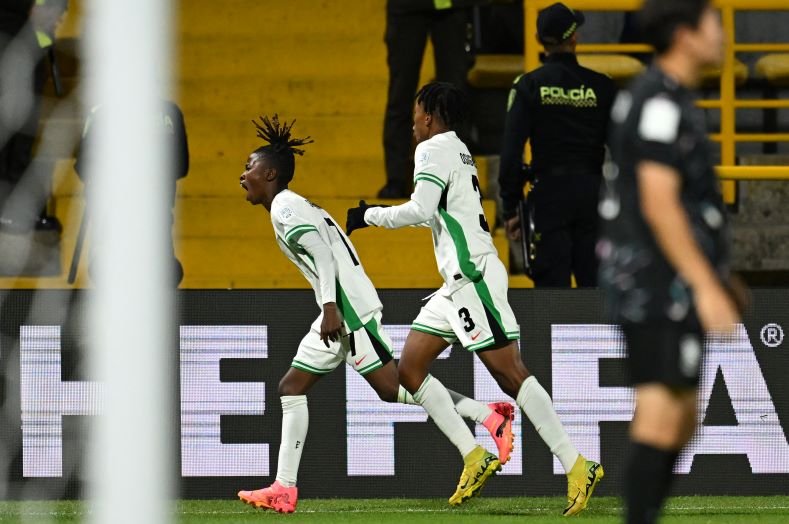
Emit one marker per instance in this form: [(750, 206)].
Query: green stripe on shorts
[(368, 369), (482, 344), (432, 331), (487, 301), (374, 330), (309, 369)]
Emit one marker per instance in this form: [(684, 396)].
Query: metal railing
[(728, 102)]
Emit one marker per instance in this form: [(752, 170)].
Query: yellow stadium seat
[(710, 77), (621, 68), (499, 71), (774, 68)]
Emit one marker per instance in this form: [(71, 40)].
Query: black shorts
[(665, 352)]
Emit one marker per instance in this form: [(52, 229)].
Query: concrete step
[(320, 56), (335, 137), (245, 96), (353, 178), (230, 217), (270, 19)]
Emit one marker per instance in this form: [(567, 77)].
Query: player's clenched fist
[(355, 218)]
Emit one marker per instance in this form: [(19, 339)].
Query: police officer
[(665, 244), (172, 130), (562, 109)]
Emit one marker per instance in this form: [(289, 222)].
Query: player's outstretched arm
[(415, 212)]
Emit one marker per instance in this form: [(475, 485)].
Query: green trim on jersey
[(373, 329), (430, 178), (461, 247), (309, 369), (432, 331), (295, 232), (348, 313)]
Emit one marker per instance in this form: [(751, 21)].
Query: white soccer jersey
[(293, 216), (446, 197)]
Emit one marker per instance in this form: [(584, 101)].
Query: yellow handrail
[(727, 103), (753, 172)]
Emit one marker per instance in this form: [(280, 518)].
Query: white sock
[(470, 408), (466, 407), (434, 398), (404, 397), (535, 402), (295, 421)]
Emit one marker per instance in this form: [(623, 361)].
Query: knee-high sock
[(465, 406), (295, 421), (535, 402), (434, 398), (647, 482)]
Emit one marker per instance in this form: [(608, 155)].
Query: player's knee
[(287, 387), (388, 394)]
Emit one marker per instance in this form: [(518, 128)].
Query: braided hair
[(444, 100), (281, 148)]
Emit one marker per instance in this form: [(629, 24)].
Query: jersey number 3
[(483, 223), (465, 316)]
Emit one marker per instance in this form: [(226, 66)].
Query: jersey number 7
[(331, 223)]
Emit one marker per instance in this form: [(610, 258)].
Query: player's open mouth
[(243, 185)]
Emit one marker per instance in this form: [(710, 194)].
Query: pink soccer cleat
[(499, 423), (276, 497)]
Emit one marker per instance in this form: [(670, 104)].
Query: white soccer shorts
[(477, 315), (365, 350)]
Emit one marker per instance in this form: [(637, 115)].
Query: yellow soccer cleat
[(479, 466), (581, 482)]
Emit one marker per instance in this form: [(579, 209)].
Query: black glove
[(355, 218)]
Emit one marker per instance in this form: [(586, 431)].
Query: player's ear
[(428, 119), (270, 174)]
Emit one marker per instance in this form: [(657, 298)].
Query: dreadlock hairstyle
[(445, 100), (282, 148)]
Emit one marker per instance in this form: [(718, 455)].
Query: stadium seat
[(710, 77), (499, 71), (774, 68)]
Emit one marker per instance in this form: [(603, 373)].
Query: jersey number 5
[(483, 223)]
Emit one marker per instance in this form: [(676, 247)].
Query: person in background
[(409, 23), (27, 27), (562, 109), (173, 131)]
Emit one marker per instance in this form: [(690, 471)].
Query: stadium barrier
[(728, 102), (233, 346)]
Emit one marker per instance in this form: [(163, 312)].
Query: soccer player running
[(471, 307), (349, 327), (664, 251)]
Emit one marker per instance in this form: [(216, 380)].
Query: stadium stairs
[(318, 62)]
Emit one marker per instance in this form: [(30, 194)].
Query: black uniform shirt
[(563, 110), (656, 120)]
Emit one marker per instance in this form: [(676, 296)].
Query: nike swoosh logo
[(360, 360), (475, 337)]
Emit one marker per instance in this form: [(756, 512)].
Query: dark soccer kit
[(563, 109), (656, 121)]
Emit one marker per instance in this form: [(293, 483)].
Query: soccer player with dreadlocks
[(349, 327), (471, 307)]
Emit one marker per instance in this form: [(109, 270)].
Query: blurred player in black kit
[(665, 248), (563, 110)]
